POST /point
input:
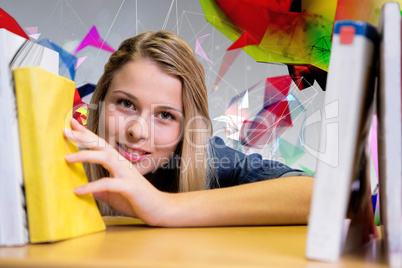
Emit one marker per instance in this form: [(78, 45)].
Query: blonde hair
[(176, 58)]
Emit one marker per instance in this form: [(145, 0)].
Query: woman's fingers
[(84, 139), (95, 157), (116, 164), (102, 185), (84, 136), (101, 152), (111, 191)]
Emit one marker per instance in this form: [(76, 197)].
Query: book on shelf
[(341, 215), (37, 203), (390, 131), (15, 51), (44, 103)]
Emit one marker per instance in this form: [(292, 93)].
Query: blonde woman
[(151, 155)]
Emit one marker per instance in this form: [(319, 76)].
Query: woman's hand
[(278, 201), (126, 190)]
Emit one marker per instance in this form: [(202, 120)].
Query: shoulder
[(233, 167), (219, 149)]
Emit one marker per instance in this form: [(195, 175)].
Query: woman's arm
[(277, 201)]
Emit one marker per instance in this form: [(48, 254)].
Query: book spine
[(33, 139), (13, 215), (390, 132), (347, 99), (54, 211)]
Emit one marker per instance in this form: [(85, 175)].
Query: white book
[(15, 51), (390, 131), (341, 201)]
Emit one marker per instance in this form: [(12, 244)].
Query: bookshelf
[(129, 243)]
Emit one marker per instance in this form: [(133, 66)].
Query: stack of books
[(364, 72), (37, 202)]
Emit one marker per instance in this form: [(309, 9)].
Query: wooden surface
[(129, 243)]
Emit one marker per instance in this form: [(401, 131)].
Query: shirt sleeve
[(234, 168)]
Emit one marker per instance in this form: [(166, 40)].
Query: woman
[(153, 157)]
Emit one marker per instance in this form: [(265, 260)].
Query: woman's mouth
[(131, 154)]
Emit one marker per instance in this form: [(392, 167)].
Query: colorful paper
[(80, 113), (290, 152), (80, 109), (33, 32), (305, 169), (363, 10), (257, 125), (67, 61), (9, 23), (86, 90), (271, 31), (228, 59), (78, 62), (198, 48), (305, 75), (95, 40)]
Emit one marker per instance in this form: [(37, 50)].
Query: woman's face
[(143, 115)]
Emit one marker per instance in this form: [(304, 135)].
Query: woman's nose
[(137, 130)]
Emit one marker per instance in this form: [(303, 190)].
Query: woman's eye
[(165, 115), (126, 104)]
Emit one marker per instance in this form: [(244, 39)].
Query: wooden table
[(130, 243)]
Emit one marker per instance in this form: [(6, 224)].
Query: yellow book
[(44, 102)]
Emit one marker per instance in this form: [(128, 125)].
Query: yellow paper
[(44, 102)]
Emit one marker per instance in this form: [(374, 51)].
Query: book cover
[(341, 201), (390, 131), (15, 51), (44, 102)]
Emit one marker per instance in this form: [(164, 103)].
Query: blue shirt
[(234, 168)]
